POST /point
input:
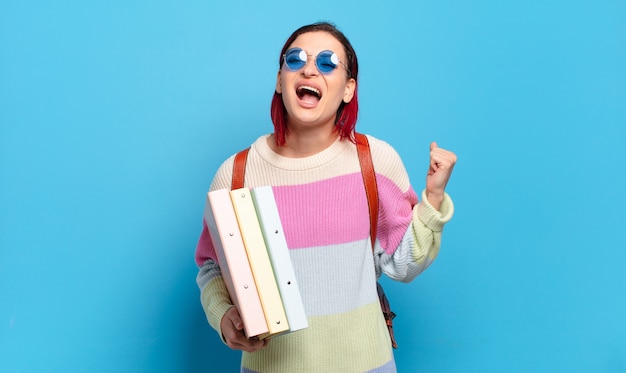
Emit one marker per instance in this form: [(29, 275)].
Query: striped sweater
[(323, 207)]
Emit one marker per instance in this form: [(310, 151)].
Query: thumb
[(235, 318), (433, 145)]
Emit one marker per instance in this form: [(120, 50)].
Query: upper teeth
[(309, 88)]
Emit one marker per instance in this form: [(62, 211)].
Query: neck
[(301, 143)]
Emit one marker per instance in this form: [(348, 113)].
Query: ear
[(279, 88), (349, 91)]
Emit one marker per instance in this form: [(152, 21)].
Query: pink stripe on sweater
[(334, 211), (395, 215), (204, 248), (327, 212)]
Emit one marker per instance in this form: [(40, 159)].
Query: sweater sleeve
[(214, 296), (409, 232), (427, 225), (420, 244)]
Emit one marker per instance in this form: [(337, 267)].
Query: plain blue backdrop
[(114, 116)]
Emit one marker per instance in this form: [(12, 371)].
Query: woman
[(312, 164)]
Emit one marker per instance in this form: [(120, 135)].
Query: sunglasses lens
[(295, 58), (326, 61)]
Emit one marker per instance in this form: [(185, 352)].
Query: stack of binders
[(247, 234)]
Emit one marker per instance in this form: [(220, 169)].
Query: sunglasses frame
[(324, 54)]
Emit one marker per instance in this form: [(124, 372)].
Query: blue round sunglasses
[(326, 61)]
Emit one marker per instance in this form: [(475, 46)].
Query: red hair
[(345, 120)]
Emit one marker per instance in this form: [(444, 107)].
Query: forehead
[(317, 41)]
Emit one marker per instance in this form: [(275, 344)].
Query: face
[(310, 96)]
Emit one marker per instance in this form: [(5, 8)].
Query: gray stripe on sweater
[(207, 272), (335, 278)]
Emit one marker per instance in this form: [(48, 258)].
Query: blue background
[(115, 115)]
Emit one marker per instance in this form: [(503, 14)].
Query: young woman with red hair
[(311, 162)]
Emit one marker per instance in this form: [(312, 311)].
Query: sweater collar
[(304, 163)]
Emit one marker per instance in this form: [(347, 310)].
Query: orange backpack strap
[(369, 179), (239, 169), (371, 191)]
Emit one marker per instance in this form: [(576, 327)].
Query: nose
[(309, 68)]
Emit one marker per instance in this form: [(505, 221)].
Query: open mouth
[(308, 93)]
